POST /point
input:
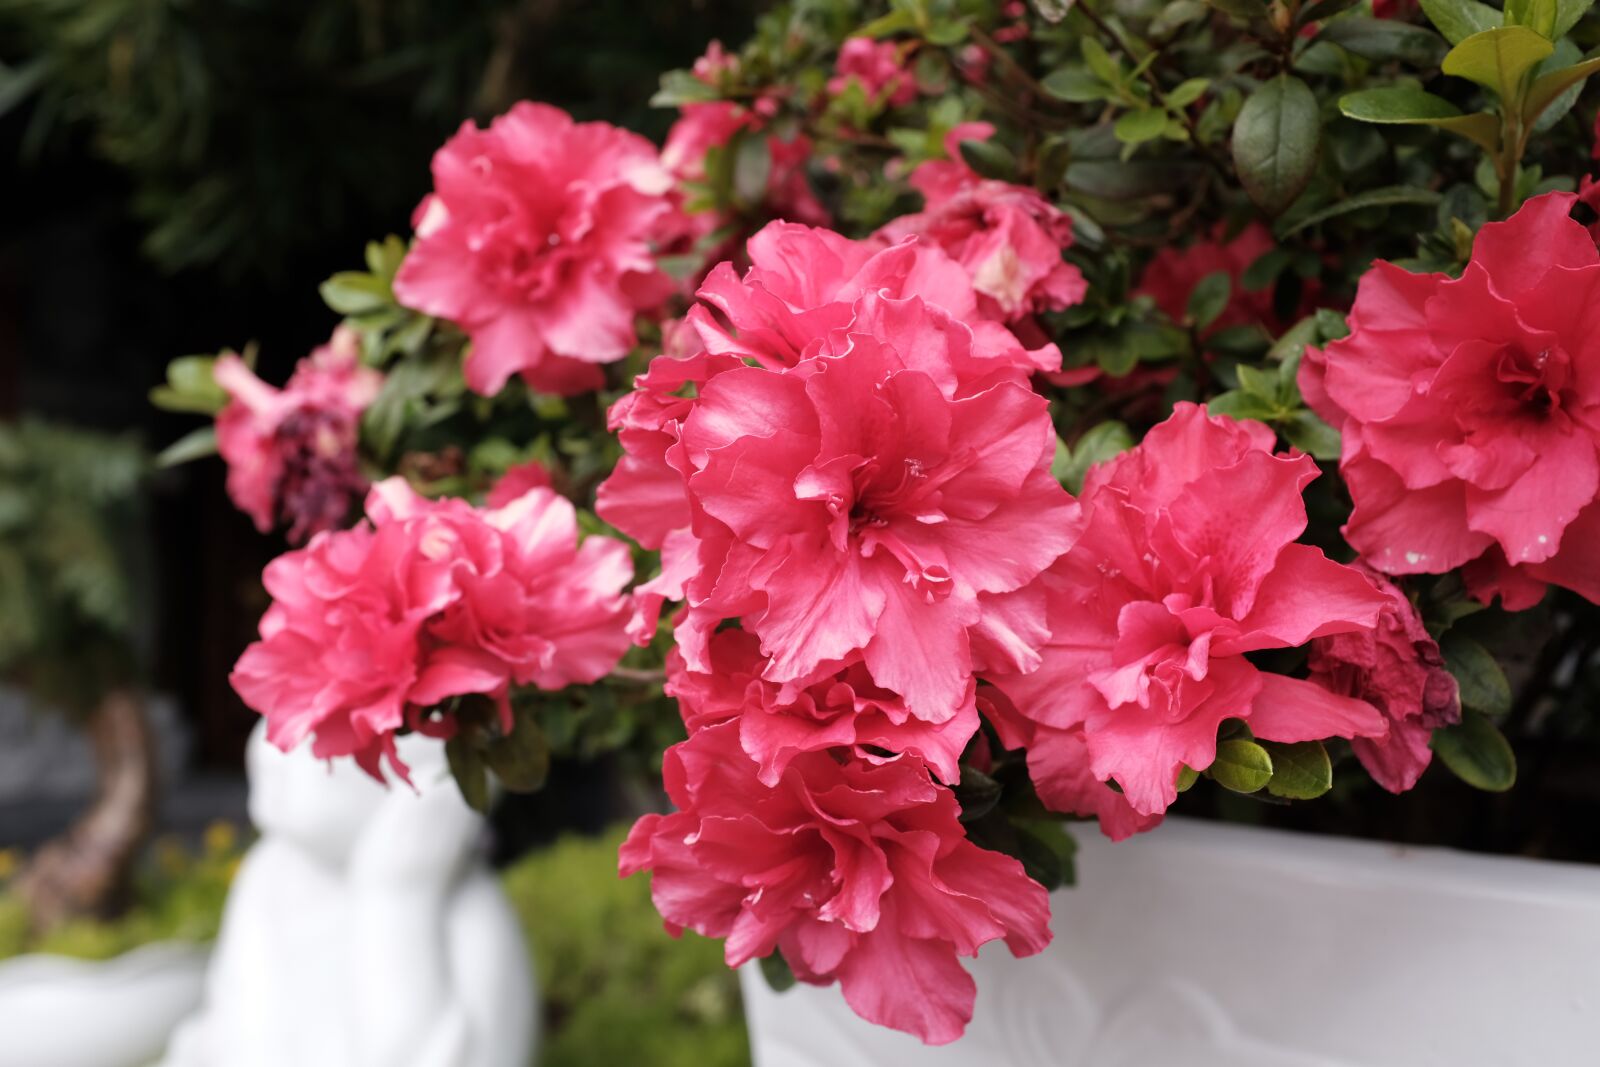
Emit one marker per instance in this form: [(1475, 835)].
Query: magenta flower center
[(1535, 382)]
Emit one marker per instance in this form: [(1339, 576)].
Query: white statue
[(364, 929)]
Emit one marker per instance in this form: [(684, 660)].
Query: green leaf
[(1047, 851), (1568, 12), (193, 445), (977, 793), (775, 969), (1307, 432), (1477, 752), (521, 760), (1548, 87), (1323, 9), (1136, 127), (1097, 445), (1381, 40), (1075, 84), (896, 21), (1388, 196), (1498, 59), (1241, 9), (1483, 684), (1238, 404), (1187, 92), (1257, 382), (468, 769), (752, 165), (1241, 766), (1209, 298), (1100, 61), (1415, 107), (190, 387), (355, 293), (1537, 15), (1275, 142), (679, 87), (990, 159), (1187, 777), (1460, 19), (1300, 771)]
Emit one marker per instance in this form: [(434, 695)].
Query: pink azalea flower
[(879, 67), (1187, 561), (371, 627), (859, 503), (1008, 237), (837, 707), (858, 872), (1398, 669), (537, 241), (291, 452), (1470, 411), (803, 288), (1058, 765)]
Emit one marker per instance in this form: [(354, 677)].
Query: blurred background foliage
[(250, 130)]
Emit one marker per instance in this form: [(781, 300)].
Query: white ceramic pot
[(1222, 946), (59, 1012)]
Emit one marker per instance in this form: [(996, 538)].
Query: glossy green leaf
[(1241, 9), (1075, 84), (469, 770), (1548, 87), (1460, 19), (1477, 752), (1209, 298), (1483, 684), (1568, 12), (1097, 445), (1275, 141), (1414, 107), (521, 760), (1384, 39), (1300, 771), (1136, 127), (1498, 59), (990, 159), (195, 444), (1187, 92), (775, 969), (1537, 15), (355, 293), (1241, 766), (1100, 61), (977, 793), (1307, 432), (1388, 196)]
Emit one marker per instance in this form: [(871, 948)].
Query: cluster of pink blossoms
[(373, 626), (1469, 410), (846, 470), (539, 241), (291, 452)]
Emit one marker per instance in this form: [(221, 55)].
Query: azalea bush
[(974, 418)]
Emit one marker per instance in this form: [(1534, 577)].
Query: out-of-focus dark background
[(180, 176)]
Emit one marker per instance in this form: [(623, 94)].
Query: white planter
[(59, 1012), (364, 928), (1220, 946)]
